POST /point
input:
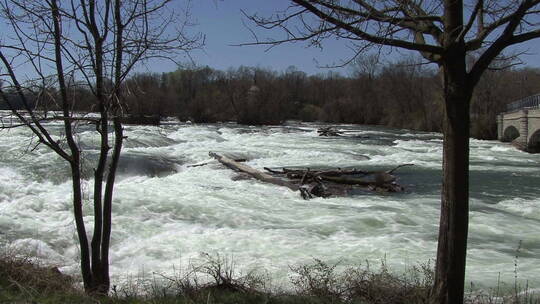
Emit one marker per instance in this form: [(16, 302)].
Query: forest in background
[(404, 94)]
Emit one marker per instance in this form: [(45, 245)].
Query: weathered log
[(359, 181), (320, 183), (267, 178), (338, 172), (379, 181)]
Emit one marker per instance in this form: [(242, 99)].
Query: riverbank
[(27, 280)]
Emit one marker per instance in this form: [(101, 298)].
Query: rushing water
[(166, 213)]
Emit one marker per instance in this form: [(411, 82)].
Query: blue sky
[(224, 26), (222, 23)]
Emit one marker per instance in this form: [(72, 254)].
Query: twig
[(404, 165), (273, 171), (200, 164)]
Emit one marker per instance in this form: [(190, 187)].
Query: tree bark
[(453, 229), (454, 221), (107, 207), (79, 223)]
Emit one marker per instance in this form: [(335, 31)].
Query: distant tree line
[(403, 94)]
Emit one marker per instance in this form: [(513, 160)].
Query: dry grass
[(29, 276), (362, 284), (215, 280)]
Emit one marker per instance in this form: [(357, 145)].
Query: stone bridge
[(520, 124)]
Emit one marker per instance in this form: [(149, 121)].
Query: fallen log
[(337, 172), (379, 180), (267, 178), (335, 180), (320, 183)]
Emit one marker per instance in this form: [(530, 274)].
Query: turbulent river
[(166, 213)]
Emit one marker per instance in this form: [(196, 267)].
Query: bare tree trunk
[(107, 206), (99, 173), (453, 228), (74, 161), (98, 276), (451, 251), (115, 158), (79, 223)]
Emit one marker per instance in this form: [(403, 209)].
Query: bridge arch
[(534, 142), (520, 124), (510, 133)]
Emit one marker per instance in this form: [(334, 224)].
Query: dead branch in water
[(329, 131), (320, 183), (232, 164)]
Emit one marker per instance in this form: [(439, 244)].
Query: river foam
[(167, 213)]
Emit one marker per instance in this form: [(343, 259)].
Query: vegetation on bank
[(25, 280), (402, 94)]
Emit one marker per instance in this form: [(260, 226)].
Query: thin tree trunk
[(118, 141), (97, 237), (79, 223), (104, 277), (107, 202), (98, 286), (75, 161)]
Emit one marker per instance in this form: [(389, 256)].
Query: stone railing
[(527, 102)]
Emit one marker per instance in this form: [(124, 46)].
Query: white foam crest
[(36, 249), (522, 207), (163, 221)]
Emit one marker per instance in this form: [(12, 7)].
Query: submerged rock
[(135, 164)]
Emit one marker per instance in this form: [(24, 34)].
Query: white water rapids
[(166, 214)]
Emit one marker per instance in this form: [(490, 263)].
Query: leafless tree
[(443, 32), (99, 42)]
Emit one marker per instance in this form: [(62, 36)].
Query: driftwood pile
[(320, 183), (334, 132), (329, 131)]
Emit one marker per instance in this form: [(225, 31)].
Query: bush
[(215, 280), (363, 285)]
